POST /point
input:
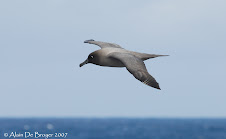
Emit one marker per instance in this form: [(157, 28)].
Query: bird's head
[(92, 58)]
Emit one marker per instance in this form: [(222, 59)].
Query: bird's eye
[(91, 56)]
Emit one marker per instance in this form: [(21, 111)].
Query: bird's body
[(105, 60), (112, 55)]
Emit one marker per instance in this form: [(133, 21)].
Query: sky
[(41, 47)]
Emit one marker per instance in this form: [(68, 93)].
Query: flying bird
[(113, 55)]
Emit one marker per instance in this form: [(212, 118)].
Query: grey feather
[(113, 55), (102, 44), (136, 67)]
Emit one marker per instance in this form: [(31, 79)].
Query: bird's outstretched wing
[(136, 67), (102, 44)]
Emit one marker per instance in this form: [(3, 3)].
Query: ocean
[(112, 128)]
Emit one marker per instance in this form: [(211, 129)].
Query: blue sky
[(41, 47)]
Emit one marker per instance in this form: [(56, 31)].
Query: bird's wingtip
[(87, 41), (165, 55), (157, 87)]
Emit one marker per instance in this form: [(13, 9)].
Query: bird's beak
[(83, 63)]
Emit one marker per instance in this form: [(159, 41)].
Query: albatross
[(113, 55)]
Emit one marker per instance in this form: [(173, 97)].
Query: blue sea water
[(113, 128)]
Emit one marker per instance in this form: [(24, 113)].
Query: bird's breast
[(105, 60), (109, 62)]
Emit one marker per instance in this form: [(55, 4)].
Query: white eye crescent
[(91, 56)]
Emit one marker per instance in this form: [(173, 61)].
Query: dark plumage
[(113, 55)]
